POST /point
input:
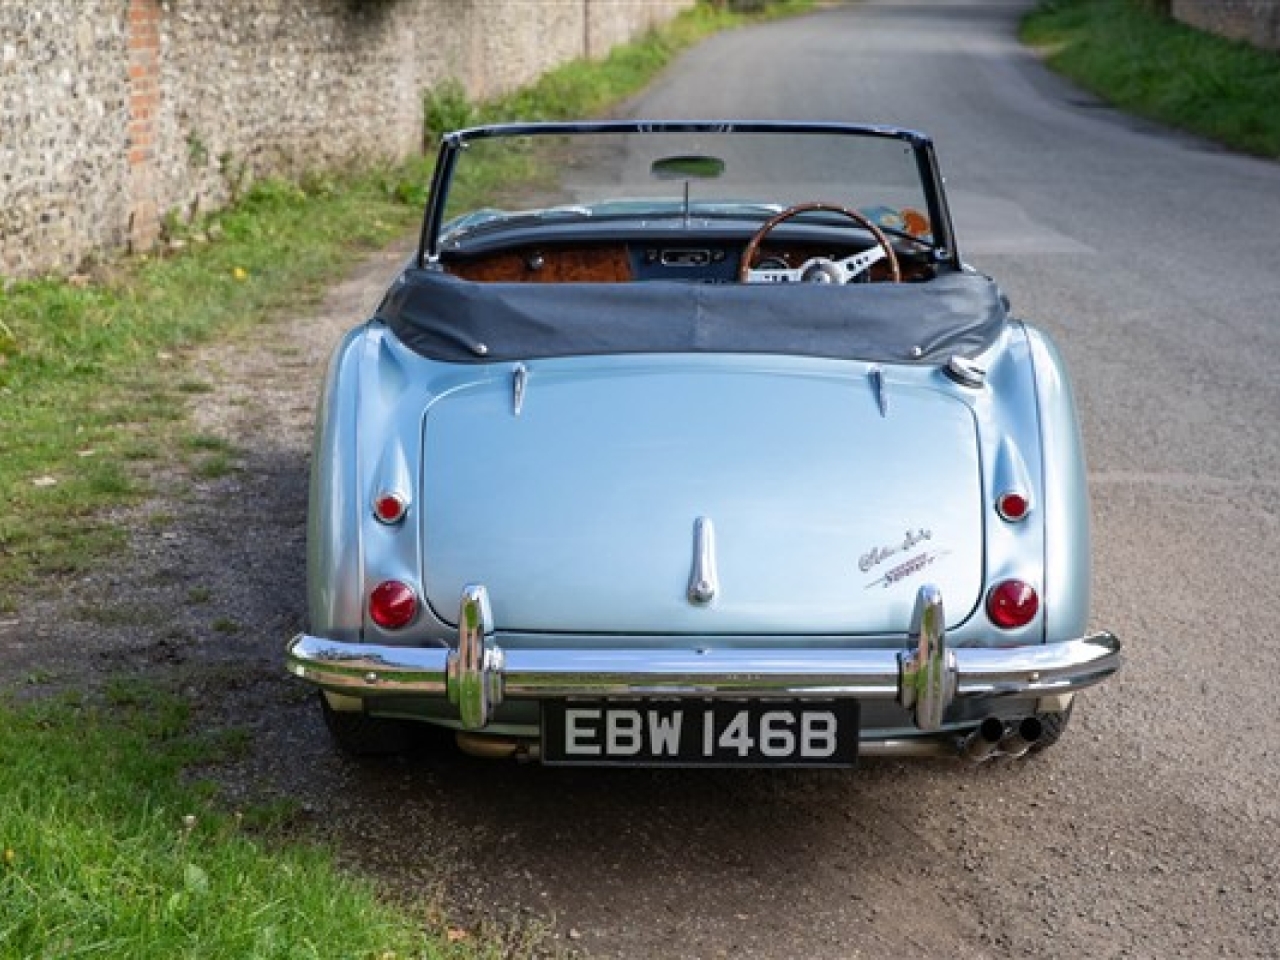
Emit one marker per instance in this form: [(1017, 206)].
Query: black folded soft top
[(461, 321)]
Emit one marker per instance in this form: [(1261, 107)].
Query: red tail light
[(389, 508), (392, 604), (1013, 506), (1012, 603)]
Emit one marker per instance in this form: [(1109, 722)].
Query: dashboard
[(708, 262)]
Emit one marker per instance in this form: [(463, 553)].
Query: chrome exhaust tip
[(994, 739), (1021, 737), (984, 741)]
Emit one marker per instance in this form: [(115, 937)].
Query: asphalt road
[(1151, 830)]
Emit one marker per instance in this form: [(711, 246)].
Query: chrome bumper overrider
[(925, 677)]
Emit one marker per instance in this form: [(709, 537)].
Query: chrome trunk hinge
[(703, 580), (878, 385), (519, 380)]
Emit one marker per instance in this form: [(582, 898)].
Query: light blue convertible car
[(697, 444)]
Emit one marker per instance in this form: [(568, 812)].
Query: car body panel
[(581, 508)]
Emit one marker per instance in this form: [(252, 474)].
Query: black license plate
[(715, 733)]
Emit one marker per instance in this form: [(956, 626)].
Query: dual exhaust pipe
[(994, 738)]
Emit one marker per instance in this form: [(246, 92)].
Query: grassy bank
[(105, 852), (1139, 59), (108, 847), (93, 385)]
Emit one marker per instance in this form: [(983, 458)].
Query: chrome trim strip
[(704, 582)]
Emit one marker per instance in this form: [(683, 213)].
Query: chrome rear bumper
[(925, 678)]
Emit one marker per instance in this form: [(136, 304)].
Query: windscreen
[(705, 174)]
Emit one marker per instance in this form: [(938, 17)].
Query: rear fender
[(1065, 491), (1010, 431), (367, 442), (334, 585)]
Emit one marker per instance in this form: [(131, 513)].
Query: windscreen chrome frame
[(452, 144)]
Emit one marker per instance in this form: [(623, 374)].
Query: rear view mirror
[(687, 167)]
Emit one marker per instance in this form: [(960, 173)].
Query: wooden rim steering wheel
[(819, 269)]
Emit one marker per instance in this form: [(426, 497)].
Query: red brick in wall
[(144, 102)]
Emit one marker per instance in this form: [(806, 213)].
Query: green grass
[(1135, 57), (106, 851)]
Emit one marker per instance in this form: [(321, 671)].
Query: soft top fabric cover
[(460, 321)]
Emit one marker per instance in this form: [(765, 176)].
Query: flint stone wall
[(117, 113), (1253, 21)]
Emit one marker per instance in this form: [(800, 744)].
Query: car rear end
[(705, 559)]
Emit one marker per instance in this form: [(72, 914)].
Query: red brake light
[(392, 604), (1012, 603), (389, 507), (1012, 506)]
